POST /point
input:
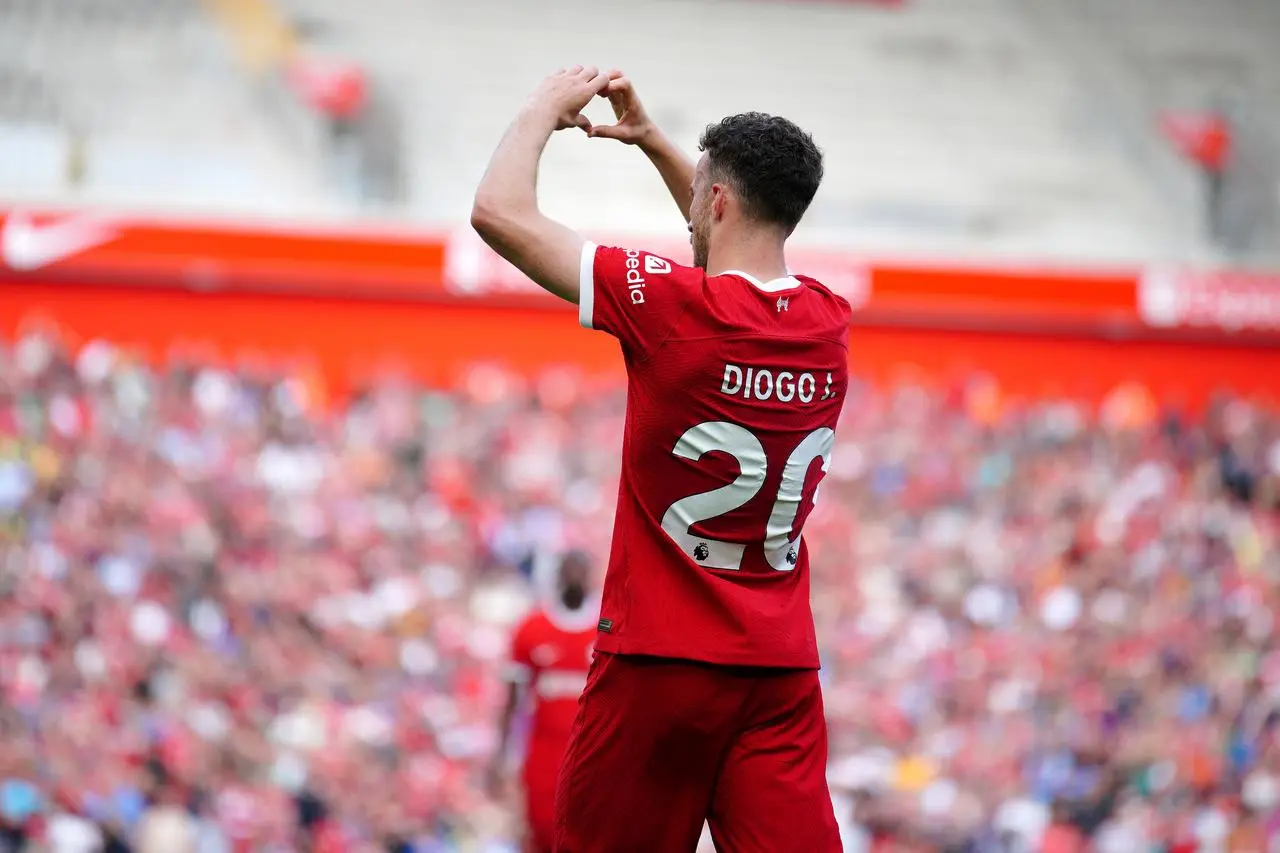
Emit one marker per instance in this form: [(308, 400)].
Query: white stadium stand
[(146, 95), (985, 127)]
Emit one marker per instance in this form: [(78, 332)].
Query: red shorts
[(661, 745)]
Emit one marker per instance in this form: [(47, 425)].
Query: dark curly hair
[(774, 166)]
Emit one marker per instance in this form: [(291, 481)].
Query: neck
[(756, 251)]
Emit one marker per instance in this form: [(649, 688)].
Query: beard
[(699, 241)]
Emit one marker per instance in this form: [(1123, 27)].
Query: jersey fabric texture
[(734, 390)]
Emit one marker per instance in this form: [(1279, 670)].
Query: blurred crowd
[(234, 619)]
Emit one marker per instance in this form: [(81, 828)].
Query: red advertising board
[(350, 298), (395, 263)]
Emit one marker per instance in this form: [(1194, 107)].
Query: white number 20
[(742, 445)]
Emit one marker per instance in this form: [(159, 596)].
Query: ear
[(719, 200)]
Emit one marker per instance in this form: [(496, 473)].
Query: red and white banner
[(396, 263), (1225, 301)]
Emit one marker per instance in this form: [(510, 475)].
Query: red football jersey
[(734, 387), (550, 653)]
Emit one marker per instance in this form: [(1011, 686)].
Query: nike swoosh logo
[(26, 246)]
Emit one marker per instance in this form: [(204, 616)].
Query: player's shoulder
[(826, 312), (642, 264), (644, 292), (827, 297)]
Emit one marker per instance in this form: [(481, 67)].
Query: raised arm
[(634, 127), (505, 213)]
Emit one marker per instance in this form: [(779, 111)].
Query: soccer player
[(550, 653), (703, 700)]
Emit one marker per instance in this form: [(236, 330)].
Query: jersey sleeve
[(519, 668), (635, 296)]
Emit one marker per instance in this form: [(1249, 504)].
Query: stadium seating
[(1187, 52), (148, 91), (1184, 56), (944, 122), (953, 126)]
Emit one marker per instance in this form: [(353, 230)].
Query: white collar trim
[(774, 286)]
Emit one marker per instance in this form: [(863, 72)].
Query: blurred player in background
[(703, 701), (550, 653)]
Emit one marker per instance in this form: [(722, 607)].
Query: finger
[(588, 72), (606, 131), (621, 96), (594, 79), (616, 74), (576, 69), (598, 83), (583, 122)]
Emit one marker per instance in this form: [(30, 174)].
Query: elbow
[(485, 216), (495, 215)]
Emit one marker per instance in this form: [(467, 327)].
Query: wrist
[(652, 141), (538, 114)]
